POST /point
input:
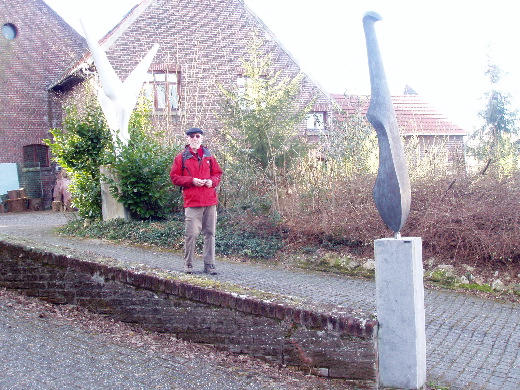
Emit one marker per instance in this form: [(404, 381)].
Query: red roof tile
[(414, 116)]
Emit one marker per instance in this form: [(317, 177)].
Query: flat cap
[(194, 130)]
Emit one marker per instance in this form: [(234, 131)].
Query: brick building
[(201, 46), (418, 122), (36, 47), (45, 64)]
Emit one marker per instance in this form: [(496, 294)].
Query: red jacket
[(188, 165)]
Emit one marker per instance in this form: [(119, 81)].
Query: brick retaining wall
[(341, 346)]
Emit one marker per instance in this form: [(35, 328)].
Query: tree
[(81, 148), (143, 167), (85, 144), (495, 141), (352, 143), (261, 116)]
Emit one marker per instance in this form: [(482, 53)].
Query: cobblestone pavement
[(472, 343)]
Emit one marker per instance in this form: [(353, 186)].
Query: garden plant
[(287, 200)]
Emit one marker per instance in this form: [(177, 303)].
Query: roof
[(414, 116), (80, 70), (76, 73)]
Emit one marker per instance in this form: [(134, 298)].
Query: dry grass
[(461, 221)]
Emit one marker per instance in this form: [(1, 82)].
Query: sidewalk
[(472, 343)]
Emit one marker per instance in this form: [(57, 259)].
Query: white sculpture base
[(110, 206), (400, 312)]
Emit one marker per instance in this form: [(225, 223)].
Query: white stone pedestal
[(400, 312), (110, 206)]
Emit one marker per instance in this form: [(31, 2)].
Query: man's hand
[(200, 182)]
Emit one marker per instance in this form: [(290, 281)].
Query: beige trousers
[(200, 219)]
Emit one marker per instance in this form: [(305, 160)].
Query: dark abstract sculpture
[(392, 187)]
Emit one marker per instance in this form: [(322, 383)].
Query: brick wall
[(44, 48), (452, 146), (205, 40), (335, 345)]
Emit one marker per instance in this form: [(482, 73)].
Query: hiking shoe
[(188, 269), (210, 269)]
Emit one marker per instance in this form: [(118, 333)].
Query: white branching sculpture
[(118, 99)]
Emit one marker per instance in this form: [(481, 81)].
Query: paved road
[(472, 343), (42, 351)]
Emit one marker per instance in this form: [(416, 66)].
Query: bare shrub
[(476, 221), (472, 221), (343, 211)]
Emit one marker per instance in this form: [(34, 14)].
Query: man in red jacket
[(196, 170)]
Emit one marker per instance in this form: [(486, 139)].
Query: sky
[(439, 48)]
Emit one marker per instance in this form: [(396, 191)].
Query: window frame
[(322, 121), (161, 78), (36, 153)]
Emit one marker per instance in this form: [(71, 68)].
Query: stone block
[(13, 194), (17, 205), (35, 204), (111, 208), (400, 312)]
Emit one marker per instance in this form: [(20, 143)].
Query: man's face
[(194, 140)]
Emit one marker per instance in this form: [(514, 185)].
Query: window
[(316, 120), (163, 89), (36, 154), (9, 31)]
